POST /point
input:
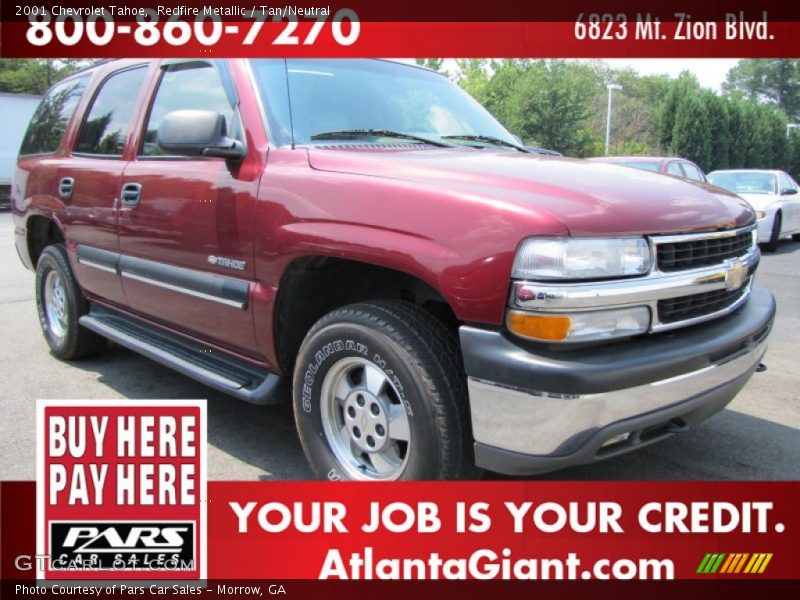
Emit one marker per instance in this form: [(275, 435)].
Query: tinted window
[(643, 165), (108, 122), (198, 88), (49, 122), (674, 169), (692, 172)]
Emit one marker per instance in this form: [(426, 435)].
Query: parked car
[(436, 296), (773, 195), (667, 165), (16, 110)]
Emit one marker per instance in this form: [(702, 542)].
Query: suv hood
[(589, 198)]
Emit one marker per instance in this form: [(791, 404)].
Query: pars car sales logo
[(121, 489)]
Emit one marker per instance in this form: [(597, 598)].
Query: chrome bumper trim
[(542, 424)]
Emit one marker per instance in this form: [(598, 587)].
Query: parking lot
[(757, 437)]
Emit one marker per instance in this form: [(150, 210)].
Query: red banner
[(515, 530)]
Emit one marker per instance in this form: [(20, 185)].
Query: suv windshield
[(745, 182), (316, 100)]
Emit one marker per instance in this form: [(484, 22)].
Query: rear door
[(93, 176), (187, 223)]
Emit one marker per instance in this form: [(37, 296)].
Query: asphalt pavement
[(756, 437)]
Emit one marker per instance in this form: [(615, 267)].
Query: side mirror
[(197, 133), (788, 192)]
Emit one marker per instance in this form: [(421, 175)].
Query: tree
[(793, 154), (690, 136), (34, 75), (718, 124), (774, 81), (685, 85), (552, 103)]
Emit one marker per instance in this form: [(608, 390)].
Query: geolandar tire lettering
[(60, 303), (379, 395)]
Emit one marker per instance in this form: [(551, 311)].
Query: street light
[(610, 87), (790, 126)]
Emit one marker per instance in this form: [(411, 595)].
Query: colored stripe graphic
[(733, 563)]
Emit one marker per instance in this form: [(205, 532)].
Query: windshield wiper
[(362, 133), (488, 139)]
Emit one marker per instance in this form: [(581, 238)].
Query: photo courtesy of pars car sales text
[(369, 291)]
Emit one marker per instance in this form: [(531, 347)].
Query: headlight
[(581, 258), (587, 326), (761, 214)]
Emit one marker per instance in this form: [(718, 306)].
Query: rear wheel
[(379, 394), (60, 304), (775, 238)]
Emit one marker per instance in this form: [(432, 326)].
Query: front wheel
[(379, 394)]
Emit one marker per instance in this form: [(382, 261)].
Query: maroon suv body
[(364, 231)]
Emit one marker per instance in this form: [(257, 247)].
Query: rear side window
[(692, 172), (674, 168), (197, 87), (108, 121), (49, 122)]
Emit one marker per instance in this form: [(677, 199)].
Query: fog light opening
[(617, 439)]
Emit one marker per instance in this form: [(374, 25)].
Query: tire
[(775, 237), (394, 356), (796, 237), (60, 303)]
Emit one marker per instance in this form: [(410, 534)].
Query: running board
[(215, 369)]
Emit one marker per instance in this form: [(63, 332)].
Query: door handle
[(65, 187), (131, 194)]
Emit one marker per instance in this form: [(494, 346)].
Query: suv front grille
[(684, 308), (704, 252)]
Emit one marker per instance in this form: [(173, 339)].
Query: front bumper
[(535, 410)]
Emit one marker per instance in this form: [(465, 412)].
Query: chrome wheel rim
[(55, 304), (364, 420)]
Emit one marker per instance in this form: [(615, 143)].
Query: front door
[(186, 223)]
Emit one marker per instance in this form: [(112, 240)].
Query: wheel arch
[(313, 285)]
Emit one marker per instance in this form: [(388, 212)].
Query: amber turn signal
[(551, 328)]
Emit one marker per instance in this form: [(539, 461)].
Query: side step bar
[(219, 371)]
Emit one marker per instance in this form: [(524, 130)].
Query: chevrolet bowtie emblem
[(735, 276)]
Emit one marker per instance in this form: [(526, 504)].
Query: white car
[(772, 194)]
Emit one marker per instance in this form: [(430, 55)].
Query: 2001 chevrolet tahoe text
[(435, 295)]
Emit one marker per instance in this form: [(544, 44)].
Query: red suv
[(436, 296)]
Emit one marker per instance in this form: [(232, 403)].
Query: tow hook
[(761, 368)]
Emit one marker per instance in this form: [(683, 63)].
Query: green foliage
[(34, 75), (690, 136), (719, 127), (773, 81), (563, 105)]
